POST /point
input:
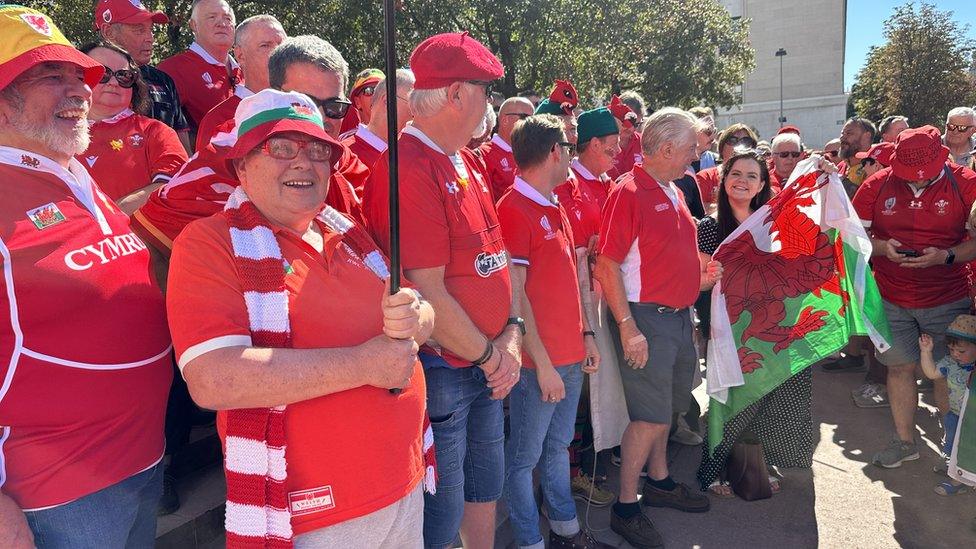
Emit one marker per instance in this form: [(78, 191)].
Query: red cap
[(125, 11), (622, 112), (444, 59), (564, 95), (919, 154), (788, 129), (270, 112), (881, 152)]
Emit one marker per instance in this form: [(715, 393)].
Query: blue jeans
[(949, 423), (122, 515), (540, 435), (469, 440)]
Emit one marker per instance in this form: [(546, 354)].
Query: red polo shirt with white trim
[(582, 207), (368, 147), (627, 158), (649, 231), (934, 216), (85, 353), (500, 162), (201, 81)]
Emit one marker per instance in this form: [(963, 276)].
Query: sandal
[(774, 484), (721, 488), (947, 488)]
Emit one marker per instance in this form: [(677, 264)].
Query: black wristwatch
[(518, 322), (950, 256)]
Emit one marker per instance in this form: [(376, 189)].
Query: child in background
[(956, 367)]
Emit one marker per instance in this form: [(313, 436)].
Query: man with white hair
[(787, 151), (453, 251), (368, 142), (646, 224), (498, 152), (959, 135), (206, 73)]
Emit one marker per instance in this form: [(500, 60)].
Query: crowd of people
[(246, 179)]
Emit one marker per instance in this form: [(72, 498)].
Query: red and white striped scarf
[(255, 466)]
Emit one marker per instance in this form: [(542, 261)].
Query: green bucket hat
[(596, 123)]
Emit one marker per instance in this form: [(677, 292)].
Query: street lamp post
[(781, 53)]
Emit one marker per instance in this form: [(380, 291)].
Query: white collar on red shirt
[(528, 191), (581, 169), (918, 192), (364, 133), (419, 134), (198, 49), (76, 178), (126, 113), (497, 139)]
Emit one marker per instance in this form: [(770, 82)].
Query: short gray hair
[(306, 49), (404, 79), (962, 111), (426, 103), (668, 125), (788, 137), (195, 3), (241, 29)]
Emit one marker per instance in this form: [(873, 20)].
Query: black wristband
[(489, 350), (589, 333)]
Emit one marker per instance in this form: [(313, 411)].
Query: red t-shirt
[(84, 347), (889, 207), (652, 235), (368, 147), (362, 445), (498, 158), (582, 208), (447, 219), (201, 81), (708, 181), (775, 183), (538, 235), (627, 158), (216, 116), (129, 151)]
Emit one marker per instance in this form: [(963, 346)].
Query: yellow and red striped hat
[(31, 38)]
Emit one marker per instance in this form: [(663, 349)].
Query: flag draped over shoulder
[(796, 286)]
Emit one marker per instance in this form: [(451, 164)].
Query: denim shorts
[(908, 324), (469, 440)]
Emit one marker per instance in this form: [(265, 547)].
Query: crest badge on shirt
[(889, 206), (135, 140), (548, 227), (916, 205), (941, 205), (45, 216), (29, 161), (505, 165), (304, 502), (661, 207), (208, 81), (116, 144)]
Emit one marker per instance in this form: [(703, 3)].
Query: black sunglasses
[(744, 141), (125, 77), (787, 154), (489, 86), (521, 115), (334, 108), (868, 162)]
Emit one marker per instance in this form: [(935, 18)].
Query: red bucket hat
[(444, 59), (919, 154), (125, 11), (881, 152)]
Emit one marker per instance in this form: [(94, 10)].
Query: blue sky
[(865, 21)]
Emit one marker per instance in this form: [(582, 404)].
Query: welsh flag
[(796, 286)]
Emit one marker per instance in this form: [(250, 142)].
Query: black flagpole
[(389, 39)]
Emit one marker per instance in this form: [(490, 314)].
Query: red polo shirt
[(627, 158), (538, 235), (129, 151), (650, 232), (447, 219), (201, 81), (216, 116), (582, 208), (889, 207), (84, 349), (367, 146), (362, 446), (500, 162)]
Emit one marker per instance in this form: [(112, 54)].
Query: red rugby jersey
[(367, 146), (84, 346), (216, 116), (129, 151), (498, 158), (538, 235), (650, 232), (627, 158), (447, 219), (201, 81), (582, 208)]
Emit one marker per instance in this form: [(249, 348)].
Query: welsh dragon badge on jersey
[(45, 216)]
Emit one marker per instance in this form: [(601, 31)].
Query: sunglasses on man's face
[(957, 128), (787, 154), (126, 78), (334, 108), (868, 162), (744, 141), (489, 86), (570, 147), (368, 90), (521, 115)]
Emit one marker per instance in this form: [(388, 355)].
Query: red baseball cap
[(622, 112), (881, 152), (919, 154), (444, 59), (788, 129), (31, 38), (125, 11)]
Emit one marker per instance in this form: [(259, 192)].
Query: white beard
[(72, 142)]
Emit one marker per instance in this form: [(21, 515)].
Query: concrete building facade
[(813, 34)]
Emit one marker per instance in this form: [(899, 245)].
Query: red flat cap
[(444, 59), (788, 129)]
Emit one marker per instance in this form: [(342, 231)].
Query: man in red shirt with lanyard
[(206, 73), (453, 251), (651, 275), (84, 349), (497, 153)]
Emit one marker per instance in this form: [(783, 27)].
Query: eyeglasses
[(787, 154), (834, 153), (570, 147), (126, 78), (868, 162), (334, 108), (368, 90), (283, 148), (744, 141), (521, 115), (489, 86), (957, 128)]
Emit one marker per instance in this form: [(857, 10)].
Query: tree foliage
[(673, 52), (923, 69)]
